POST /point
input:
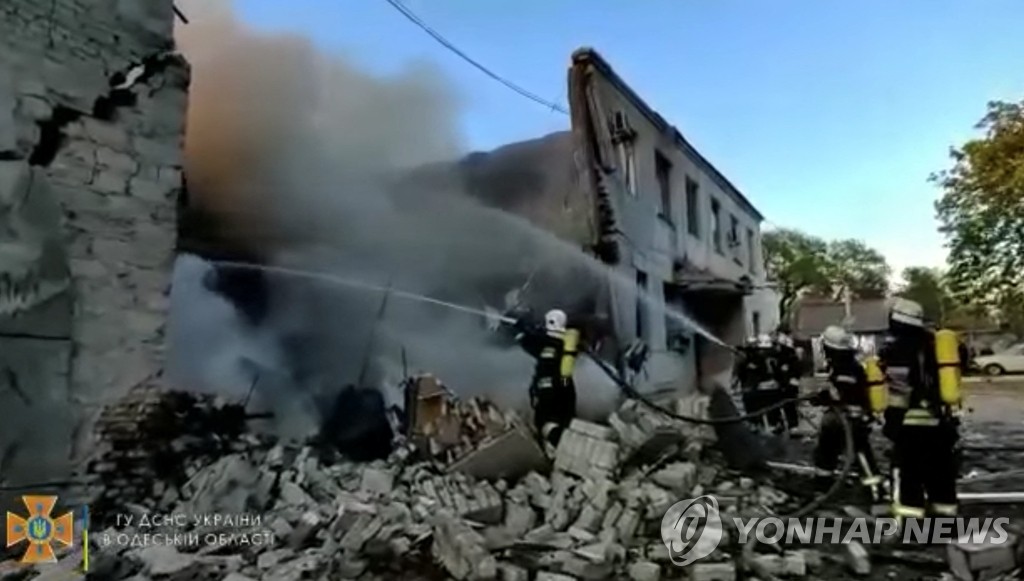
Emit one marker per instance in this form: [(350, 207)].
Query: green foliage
[(981, 212), (851, 264), (927, 287), (796, 262), (802, 264)]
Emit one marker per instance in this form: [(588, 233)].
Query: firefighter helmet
[(555, 320), (906, 312), (836, 337), (784, 339)]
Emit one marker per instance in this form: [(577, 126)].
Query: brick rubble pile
[(261, 512)]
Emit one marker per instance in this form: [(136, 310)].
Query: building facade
[(92, 113), (679, 233)]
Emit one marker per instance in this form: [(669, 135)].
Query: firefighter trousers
[(791, 411), (926, 471), (832, 442), (755, 399), (554, 405)]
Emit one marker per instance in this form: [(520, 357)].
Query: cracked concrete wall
[(92, 112)]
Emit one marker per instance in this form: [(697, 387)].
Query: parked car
[(1009, 361)]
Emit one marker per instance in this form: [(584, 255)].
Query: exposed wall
[(92, 109), (655, 237)]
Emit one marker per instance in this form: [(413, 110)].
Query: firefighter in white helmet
[(552, 390), (850, 384), (922, 368)]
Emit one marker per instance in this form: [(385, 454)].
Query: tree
[(981, 212), (927, 287), (851, 264), (805, 265), (797, 262)]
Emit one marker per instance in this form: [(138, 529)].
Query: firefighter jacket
[(555, 360), (848, 378), (911, 369), (754, 369), (787, 366)]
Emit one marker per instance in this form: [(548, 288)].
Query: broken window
[(623, 137), (751, 254), (734, 235), (692, 208), (716, 225), (663, 170), (641, 305), (627, 167)]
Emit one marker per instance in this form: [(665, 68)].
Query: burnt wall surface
[(92, 110)]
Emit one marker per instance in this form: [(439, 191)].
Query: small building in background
[(868, 321)]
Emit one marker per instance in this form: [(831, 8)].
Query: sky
[(829, 116)]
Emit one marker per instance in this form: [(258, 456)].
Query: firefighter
[(849, 380), (552, 390), (759, 380), (923, 372), (749, 370), (788, 378)]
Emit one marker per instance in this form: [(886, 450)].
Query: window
[(692, 208), (751, 252), (716, 225), (755, 323), (734, 236), (663, 170), (641, 306), (627, 167)]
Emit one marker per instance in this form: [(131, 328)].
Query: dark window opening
[(734, 237), (663, 170), (716, 225), (751, 253), (641, 306), (692, 207)]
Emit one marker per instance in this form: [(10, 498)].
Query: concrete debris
[(587, 450), (970, 561), (857, 558), (713, 572), (644, 571), (295, 512)]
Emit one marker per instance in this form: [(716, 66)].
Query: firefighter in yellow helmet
[(850, 382), (552, 390), (921, 418)]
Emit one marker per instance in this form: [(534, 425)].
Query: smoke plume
[(308, 160)]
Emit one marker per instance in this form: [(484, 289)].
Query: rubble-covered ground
[(184, 490)]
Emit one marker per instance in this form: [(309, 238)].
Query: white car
[(1009, 361)]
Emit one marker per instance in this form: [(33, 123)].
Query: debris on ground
[(187, 491)]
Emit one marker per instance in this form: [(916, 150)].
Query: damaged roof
[(589, 56)]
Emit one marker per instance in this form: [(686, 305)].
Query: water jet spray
[(358, 284)]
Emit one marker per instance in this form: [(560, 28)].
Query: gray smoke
[(311, 160)]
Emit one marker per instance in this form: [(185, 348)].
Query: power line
[(397, 5)]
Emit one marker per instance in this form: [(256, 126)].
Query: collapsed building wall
[(92, 109)]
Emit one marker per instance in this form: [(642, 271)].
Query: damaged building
[(92, 111), (682, 240)]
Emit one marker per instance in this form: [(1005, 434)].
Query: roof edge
[(587, 55)]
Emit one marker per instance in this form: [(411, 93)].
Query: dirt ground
[(993, 432)]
